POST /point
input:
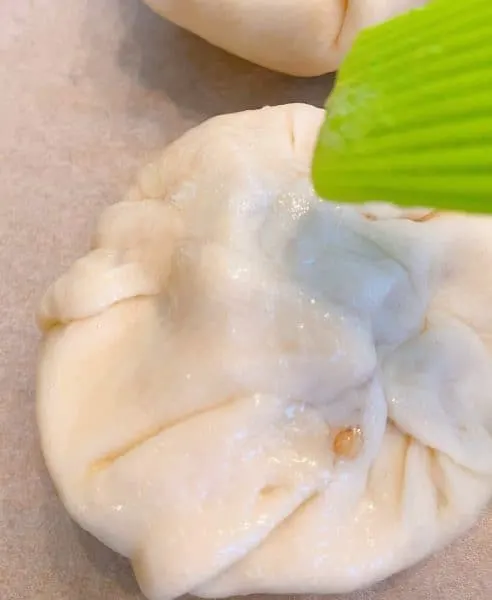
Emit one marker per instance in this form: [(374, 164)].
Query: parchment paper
[(89, 90)]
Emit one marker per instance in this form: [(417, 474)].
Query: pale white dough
[(245, 389), (298, 37)]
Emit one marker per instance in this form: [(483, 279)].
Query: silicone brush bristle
[(410, 119)]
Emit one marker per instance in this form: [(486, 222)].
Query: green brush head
[(410, 119)]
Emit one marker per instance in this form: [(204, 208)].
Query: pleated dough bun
[(298, 37), (245, 389)]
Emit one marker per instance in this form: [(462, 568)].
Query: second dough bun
[(305, 38)]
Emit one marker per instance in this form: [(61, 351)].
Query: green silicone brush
[(410, 119)]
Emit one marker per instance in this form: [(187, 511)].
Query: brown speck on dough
[(433, 214), (347, 443)]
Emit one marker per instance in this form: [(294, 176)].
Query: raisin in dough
[(298, 37), (245, 389)]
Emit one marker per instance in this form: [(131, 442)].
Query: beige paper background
[(89, 89)]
